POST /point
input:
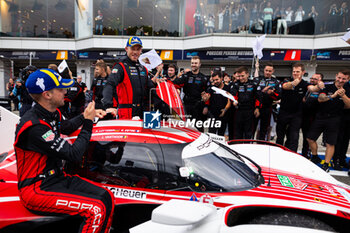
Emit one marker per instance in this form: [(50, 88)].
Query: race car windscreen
[(218, 172)]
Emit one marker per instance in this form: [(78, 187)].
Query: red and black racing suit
[(44, 187), (130, 81)]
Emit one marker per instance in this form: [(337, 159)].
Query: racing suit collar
[(43, 113), (129, 61)]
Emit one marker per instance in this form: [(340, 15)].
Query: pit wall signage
[(175, 55)]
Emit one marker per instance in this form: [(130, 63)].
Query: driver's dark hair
[(299, 65), (196, 58), (320, 74), (269, 64), (217, 73), (242, 69), (345, 72), (102, 64)]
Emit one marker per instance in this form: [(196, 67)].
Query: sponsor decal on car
[(205, 144), (291, 182), (193, 197), (127, 193), (343, 192), (331, 191), (206, 199)]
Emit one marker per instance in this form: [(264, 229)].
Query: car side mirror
[(184, 172)]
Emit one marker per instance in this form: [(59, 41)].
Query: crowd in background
[(268, 17)]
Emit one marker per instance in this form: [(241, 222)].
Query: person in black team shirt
[(343, 137), (248, 97), (217, 105), (194, 83), (270, 89), (310, 108), (26, 100), (81, 83), (76, 97), (333, 99), (290, 115), (98, 83)]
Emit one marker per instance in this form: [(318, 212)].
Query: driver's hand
[(113, 111), (90, 111), (100, 113)]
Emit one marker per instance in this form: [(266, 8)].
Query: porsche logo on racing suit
[(80, 206)]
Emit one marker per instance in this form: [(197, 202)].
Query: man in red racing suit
[(44, 187), (131, 83)]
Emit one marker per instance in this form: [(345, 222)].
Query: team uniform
[(76, 97), (248, 98), (266, 104), (343, 136), (97, 87), (328, 117), (290, 115), (43, 185), (215, 104), (193, 85), (129, 80), (310, 108)]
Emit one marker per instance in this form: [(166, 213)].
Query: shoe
[(325, 167), (337, 165), (344, 164), (315, 159)]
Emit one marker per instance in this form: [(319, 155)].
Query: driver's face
[(171, 72), (133, 52), (217, 81), (268, 71), (195, 65)]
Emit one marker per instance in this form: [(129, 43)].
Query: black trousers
[(195, 111), (219, 131), (288, 125), (243, 124), (343, 138), (265, 120), (230, 122), (307, 120)]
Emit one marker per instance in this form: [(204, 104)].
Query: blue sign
[(193, 197), (151, 120)]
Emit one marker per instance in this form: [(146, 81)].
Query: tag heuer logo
[(48, 136)]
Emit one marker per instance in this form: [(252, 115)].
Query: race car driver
[(44, 187), (131, 83)]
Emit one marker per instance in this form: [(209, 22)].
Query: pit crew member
[(333, 99), (248, 97)]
